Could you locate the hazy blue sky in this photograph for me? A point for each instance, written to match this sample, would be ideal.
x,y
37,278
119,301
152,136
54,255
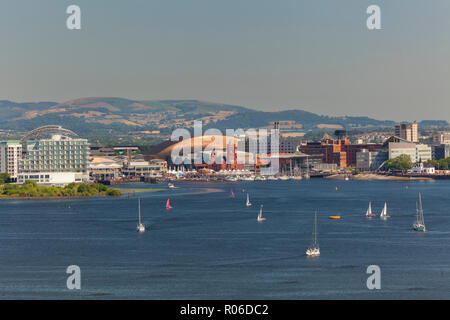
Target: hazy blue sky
x,y
314,55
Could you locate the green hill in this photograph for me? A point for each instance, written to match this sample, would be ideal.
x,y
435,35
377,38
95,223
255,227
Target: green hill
x,y
107,115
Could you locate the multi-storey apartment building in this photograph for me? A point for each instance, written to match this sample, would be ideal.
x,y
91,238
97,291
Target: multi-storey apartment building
x,y
407,131
10,155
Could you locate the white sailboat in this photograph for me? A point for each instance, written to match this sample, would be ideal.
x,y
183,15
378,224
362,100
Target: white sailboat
x,y
307,175
383,213
260,217
369,213
419,224
248,203
314,249
140,226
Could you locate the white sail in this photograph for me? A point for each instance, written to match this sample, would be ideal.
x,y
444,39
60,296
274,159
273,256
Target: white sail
x,y
139,211
248,203
314,250
315,244
260,217
421,210
140,226
384,211
419,225
369,210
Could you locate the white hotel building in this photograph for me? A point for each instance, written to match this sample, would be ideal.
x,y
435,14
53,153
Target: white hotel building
x,y
57,160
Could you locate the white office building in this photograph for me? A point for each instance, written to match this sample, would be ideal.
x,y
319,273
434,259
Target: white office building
x,y
10,155
416,152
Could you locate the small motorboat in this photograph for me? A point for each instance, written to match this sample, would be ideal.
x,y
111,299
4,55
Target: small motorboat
x,y
334,217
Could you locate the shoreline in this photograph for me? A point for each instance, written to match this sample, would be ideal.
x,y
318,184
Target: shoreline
x,y
55,197
378,177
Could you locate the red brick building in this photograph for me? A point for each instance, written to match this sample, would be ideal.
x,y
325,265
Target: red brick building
x,y
340,152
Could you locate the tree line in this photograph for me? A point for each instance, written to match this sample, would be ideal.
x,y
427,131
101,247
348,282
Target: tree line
x,y
31,189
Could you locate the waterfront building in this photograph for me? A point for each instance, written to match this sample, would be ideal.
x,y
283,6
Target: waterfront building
x,y
155,168
104,168
58,158
339,152
296,163
407,131
416,152
331,151
10,155
370,160
421,168
53,178
57,154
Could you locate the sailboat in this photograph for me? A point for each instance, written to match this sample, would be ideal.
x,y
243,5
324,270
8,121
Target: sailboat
x,y
383,213
419,224
369,213
140,226
168,206
248,203
231,193
307,175
260,217
314,250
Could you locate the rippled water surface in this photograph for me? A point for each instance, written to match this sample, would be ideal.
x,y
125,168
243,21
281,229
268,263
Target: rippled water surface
x,y
210,246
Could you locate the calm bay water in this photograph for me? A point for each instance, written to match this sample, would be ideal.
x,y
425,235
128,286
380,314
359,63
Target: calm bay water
x,y
210,246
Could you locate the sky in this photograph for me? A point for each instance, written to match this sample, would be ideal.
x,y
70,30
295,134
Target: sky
x,y
269,55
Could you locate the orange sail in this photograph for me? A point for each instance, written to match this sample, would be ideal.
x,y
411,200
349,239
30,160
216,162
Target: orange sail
x,y
168,206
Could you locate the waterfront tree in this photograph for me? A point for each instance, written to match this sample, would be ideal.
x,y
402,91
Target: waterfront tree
x,y
402,163
4,178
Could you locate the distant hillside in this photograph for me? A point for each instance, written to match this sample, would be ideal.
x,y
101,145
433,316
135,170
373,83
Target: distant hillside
x,y
91,116
429,124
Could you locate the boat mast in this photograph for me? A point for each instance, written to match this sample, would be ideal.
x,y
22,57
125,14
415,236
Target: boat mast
x,y
421,209
139,209
315,230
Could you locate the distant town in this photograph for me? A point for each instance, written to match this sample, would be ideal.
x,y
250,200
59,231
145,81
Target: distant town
x,y
53,155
